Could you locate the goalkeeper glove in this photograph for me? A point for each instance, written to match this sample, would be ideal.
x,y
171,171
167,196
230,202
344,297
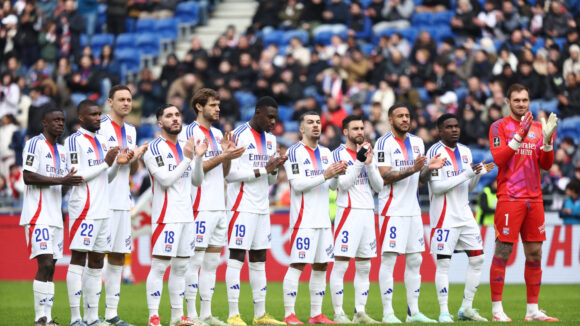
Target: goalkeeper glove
x,y
522,132
548,129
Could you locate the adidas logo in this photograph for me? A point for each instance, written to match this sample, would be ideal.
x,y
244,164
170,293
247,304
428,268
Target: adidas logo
x,y
264,288
193,285
251,146
397,151
307,161
112,139
51,299
321,293
292,294
365,293
79,292
499,279
182,294
48,155
90,150
156,294
417,291
117,294
235,287
444,290
212,289
340,292
169,155
389,291
43,300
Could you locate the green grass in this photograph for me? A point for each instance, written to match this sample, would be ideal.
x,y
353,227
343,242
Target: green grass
x,y
558,300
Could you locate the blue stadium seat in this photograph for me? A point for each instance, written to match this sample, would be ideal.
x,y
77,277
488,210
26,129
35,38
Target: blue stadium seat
x,y
148,44
128,59
285,113
127,41
410,34
423,94
442,31
367,48
291,126
273,37
422,19
246,99
187,12
443,17
323,33
301,34
100,40
130,25
167,28
560,41
146,26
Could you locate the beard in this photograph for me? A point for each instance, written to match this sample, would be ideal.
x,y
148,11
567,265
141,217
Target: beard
x,y
399,129
357,140
171,131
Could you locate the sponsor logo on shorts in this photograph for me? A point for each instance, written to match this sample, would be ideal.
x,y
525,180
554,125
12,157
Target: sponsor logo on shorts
x,y
128,242
373,244
43,246
239,241
542,229
87,241
199,238
329,250
344,248
440,246
392,243
506,231
168,247
301,254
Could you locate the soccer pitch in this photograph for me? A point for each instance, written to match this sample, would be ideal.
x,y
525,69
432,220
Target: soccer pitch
x,y
558,300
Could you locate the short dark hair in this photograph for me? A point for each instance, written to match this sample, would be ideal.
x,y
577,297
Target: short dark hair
x,y
266,101
516,88
350,118
444,118
396,106
161,110
574,185
117,88
202,96
303,115
85,104
49,110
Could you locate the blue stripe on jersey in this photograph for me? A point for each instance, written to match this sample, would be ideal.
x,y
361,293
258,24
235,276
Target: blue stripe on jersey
x,y
189,130
292,152
105,118
408,146
433,150
56,158
99,148
458,158
238,131
214,145
72,141
31,145
179,152
336,153
124,136
318,160
383,140
153,146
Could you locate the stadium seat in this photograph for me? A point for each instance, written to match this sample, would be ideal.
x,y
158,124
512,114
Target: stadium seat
x,y
367,48
167,28
246,99
560,41
148,44
128,59
285,113
422,19
145,26
100,40
127,41
442,32
410,34
187,12
301,34
273,37
443,17
291,126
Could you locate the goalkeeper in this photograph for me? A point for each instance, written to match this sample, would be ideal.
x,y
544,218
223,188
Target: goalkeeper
x,y
520,148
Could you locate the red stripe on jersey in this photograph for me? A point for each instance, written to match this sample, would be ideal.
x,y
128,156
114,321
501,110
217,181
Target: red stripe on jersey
x,y
98,151
81,218
163,209
383,232
441,217
298,221
403,147
345,214
453,160
208,137
352,153
258,140
384,212
197,199
118,133
239,198
33,222
312,157
231,225
156,234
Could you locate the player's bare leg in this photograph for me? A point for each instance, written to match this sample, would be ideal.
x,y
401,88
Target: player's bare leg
x,y
502,253
113,276
207,278
43,289
533,277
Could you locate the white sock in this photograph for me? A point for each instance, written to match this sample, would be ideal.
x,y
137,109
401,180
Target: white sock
x,y
192,283
361,284
442,283
233,283
413,281
74,287
496,307
317,291
49,300
113,274
259,287
290,288
388,261
39,291
207,282
92,284
337,284
154,285
472,279
531,308
176,285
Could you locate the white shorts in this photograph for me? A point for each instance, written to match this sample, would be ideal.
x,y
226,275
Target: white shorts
x,y
210,228
173,239
445,241
402,234
355,233
44,240
249,231
90,235
120,222
312,246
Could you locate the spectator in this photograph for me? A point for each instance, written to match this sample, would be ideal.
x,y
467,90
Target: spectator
x,y
229,106
61,75
28,30
304,105
9,95
158,9
570,99
505,56
5,193
558,20
290,14
487,203
300,53
570,213
151,91
571,39
407,94
245,75
442,80
477,90
311,16
264,80
496,100
472,129
48,42
555,182
572,64
357,67
396,66
374,10
7,155
71,26
529,78
421,69
463,62
89,10
195,51
433,6
379,118
487,19
83,82
16,182
335,12
116,15
463,23
508,19
333,115
537,19
169,72
359,25
424,41
39,103
37,73
482,67
267,14
396,15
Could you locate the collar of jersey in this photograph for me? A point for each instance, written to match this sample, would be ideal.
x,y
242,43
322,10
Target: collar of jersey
x,y
86,132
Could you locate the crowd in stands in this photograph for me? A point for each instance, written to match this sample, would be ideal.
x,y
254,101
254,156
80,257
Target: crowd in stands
x,y
332,56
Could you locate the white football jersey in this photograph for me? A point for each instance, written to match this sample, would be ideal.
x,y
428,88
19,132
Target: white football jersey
x,y
125,137
401,197
246,193
42,204
86,152
450,209
354,187
308,208
170,203
210,196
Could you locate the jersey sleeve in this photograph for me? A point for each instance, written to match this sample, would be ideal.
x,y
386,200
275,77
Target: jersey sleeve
x,y
382,154
299,181
31,156
293,168
499,147
77,159
436,175
159,169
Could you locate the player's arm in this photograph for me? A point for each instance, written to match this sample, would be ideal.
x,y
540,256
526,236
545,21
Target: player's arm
x,y
198,171
160,170
76,157
139,151
502,150
347,180
390,177
442,185
32,178
303,183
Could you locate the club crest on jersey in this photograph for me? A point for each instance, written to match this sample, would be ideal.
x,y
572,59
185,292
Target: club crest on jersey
x,y
87,241
506,231
440,246
239,241
269,145
416,149
307,161
62,157
302,254
48,155
159,160
496,142
344,248
397,151
129,139
464,158
74,158
29,160
392,243
325,160
251,146
43,246
90,150
381,157
531,135
168,247
295,169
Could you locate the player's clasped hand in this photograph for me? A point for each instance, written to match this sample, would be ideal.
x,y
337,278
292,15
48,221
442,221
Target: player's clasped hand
x,y
200,147
111,155
188,148
71,179
335,169
275,161
436,162
231,152
524,126
125,156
